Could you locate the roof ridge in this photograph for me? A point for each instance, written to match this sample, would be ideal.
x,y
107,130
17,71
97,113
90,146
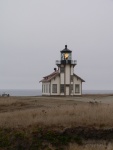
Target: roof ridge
x,y
57,71
50,77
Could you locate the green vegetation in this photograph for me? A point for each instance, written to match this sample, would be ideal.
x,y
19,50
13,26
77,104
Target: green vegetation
x,y
33,139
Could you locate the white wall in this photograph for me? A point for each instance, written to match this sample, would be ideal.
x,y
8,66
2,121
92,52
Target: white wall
x,y
67,74
61,78
72,70
77,81
56,80
46,91
67,90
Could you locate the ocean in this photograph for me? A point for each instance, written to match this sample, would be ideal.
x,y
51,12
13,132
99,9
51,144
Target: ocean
x,y
21,92
38,92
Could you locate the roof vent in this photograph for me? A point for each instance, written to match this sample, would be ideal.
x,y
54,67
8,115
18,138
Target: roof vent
x,y
65,46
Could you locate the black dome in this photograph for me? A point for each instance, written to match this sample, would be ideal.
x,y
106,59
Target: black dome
x,y
66,50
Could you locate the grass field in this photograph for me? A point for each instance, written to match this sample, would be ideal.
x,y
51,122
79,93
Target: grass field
x,y
58,114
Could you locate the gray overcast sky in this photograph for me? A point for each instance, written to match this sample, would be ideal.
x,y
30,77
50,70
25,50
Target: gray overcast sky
x,y
32,33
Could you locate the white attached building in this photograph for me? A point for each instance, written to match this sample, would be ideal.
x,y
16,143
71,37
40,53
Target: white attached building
x,y
63,81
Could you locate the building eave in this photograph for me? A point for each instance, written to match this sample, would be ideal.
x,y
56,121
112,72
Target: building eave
x,y
50,77
79,77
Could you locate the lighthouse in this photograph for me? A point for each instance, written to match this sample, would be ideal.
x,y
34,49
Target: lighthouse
x,y
63,81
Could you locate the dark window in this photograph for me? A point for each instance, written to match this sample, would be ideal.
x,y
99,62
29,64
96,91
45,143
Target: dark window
x,y
49,88
62,69
61,88
54,88
71,88
42,88
71,78
77,88
46,88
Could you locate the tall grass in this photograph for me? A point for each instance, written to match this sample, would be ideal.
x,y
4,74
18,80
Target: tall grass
x,y
101,146
96,115
7,101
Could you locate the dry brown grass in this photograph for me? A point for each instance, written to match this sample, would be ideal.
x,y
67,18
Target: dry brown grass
x,y
7,101
99,146
94,146
58,113
54,113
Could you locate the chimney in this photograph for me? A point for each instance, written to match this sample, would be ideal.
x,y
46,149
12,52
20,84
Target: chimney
x,y
55,69
65,46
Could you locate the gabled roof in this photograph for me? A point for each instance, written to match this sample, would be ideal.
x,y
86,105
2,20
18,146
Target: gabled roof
x,y
50,76
78,77
54,74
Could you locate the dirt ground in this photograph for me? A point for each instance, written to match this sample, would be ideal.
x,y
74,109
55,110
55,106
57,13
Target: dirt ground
x,y
8,104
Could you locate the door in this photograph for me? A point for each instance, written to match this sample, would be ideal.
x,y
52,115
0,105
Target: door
x,y
67,90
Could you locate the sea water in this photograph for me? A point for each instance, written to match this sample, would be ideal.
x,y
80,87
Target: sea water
x,y
21,92
38,92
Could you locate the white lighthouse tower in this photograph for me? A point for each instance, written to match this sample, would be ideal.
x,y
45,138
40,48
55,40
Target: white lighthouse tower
x,y
63,81
66,68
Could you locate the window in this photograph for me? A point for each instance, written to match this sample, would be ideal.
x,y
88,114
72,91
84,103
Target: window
x,y
71,88
42,88
62,69
46,88
61,88
49,88
71,78
54,88
77,88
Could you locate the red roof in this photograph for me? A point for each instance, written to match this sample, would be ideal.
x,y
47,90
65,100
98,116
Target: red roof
x,y
54,74
50,76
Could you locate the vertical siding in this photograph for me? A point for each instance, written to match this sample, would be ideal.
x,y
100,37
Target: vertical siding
x,y
64,78
72,70
61,78
77,81
56,80
45,86
67,74
67,90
